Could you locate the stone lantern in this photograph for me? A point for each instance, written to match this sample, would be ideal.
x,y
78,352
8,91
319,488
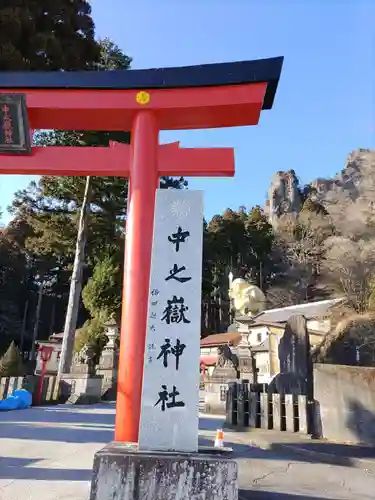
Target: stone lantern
x,y
112,332
108,365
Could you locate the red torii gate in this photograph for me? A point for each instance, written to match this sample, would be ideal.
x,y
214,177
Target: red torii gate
x,y
143,101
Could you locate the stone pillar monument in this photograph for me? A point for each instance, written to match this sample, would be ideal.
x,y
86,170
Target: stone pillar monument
x,y
167,462
274,356
295,375
83,385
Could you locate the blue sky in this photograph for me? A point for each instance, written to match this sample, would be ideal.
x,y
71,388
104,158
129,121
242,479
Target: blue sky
x,y
324,106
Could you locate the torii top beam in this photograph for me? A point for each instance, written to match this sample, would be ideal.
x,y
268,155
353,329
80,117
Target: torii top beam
x,y
206,96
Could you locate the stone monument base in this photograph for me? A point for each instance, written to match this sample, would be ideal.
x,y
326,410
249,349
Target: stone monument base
x,y
81,388
121,472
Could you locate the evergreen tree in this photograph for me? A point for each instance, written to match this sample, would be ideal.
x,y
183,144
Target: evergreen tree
x,y
111,58
11,362
240,242
50,35
12,285
102,294
47,35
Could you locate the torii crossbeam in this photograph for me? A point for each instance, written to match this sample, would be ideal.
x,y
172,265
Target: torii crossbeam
x,y
145,102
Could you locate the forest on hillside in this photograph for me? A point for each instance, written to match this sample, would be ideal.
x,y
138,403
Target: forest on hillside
x,y
327,250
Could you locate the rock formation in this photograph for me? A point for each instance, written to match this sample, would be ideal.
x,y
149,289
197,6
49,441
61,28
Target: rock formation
x,y
359,166
283,196
357,177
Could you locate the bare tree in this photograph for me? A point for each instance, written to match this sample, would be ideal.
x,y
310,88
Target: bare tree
x,y
350,342
75,286
299,252
350,267
351,200
338,203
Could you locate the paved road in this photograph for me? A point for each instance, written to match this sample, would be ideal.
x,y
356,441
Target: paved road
x,y
286,478
47,453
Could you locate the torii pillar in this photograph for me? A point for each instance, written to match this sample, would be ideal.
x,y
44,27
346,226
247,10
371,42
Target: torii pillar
x,y
145,102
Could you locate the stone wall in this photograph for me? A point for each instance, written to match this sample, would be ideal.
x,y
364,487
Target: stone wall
x,y
345,403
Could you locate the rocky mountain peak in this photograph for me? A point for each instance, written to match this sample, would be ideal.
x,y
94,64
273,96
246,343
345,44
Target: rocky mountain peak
x,y
284,196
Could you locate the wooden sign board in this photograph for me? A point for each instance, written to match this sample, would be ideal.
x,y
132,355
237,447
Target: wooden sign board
x,y
170,396
14,125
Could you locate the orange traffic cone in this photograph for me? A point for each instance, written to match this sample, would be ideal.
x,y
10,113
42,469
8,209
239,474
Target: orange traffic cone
x,y
219,441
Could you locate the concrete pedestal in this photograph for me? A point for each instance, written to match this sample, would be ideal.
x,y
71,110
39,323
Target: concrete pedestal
x,y
121,472
108,368
81,388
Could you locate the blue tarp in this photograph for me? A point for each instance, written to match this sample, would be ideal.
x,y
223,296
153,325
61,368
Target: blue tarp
x,y
19,400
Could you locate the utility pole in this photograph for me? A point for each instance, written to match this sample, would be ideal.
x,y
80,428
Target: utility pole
x,y
261,275
75,286
24,321
52,321
37,317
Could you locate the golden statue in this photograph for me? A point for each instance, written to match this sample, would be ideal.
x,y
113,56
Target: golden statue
x,y
247,298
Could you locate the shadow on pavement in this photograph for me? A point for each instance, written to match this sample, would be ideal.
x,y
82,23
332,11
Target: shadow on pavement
x,y
239,450
309,452
23,468
70,424
211,424
313,452
39,432
63,414
272,495
329,453
17,462
247,452
95,424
